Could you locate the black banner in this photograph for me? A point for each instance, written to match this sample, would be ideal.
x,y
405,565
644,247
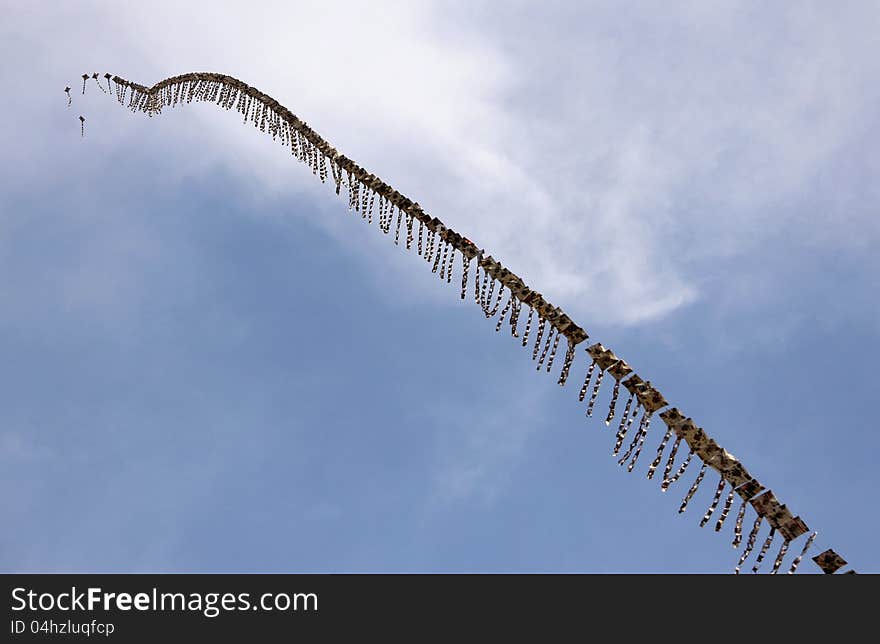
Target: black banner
x,y
126,608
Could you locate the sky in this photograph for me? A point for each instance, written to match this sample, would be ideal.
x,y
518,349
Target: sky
x,y
210,365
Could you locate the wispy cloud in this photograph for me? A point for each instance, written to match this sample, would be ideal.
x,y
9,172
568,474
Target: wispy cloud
x,y
611,165
480,451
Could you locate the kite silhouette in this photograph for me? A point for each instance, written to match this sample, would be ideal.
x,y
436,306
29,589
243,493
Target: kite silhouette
x,y
545,325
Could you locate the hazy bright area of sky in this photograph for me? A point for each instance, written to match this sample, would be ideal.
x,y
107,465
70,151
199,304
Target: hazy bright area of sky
x,y
209,364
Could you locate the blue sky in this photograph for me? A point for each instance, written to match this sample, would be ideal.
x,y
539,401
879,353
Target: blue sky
x,y
211,365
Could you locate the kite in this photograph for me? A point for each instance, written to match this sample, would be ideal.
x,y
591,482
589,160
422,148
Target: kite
x,y
442,248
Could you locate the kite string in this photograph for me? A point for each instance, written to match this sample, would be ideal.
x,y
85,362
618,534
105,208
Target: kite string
x,y
310,148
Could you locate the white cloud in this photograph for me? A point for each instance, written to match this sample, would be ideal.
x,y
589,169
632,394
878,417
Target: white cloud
x,y
609,159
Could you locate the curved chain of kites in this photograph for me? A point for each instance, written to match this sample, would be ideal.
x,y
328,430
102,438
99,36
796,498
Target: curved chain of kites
x,y
491,284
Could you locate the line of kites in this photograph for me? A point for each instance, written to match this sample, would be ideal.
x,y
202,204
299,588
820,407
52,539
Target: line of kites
x,y
437,244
